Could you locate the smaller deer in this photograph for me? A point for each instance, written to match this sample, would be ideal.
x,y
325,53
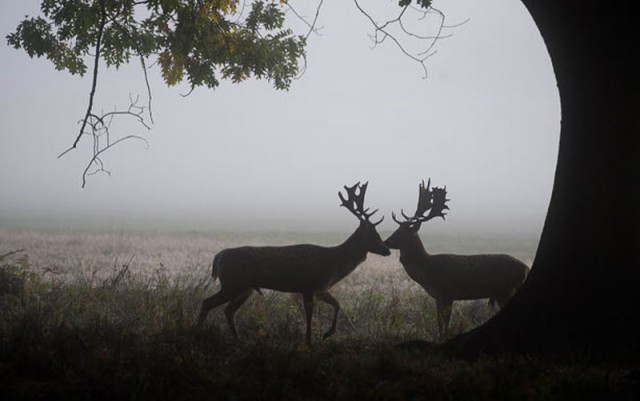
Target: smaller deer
x,y
310,270
448,277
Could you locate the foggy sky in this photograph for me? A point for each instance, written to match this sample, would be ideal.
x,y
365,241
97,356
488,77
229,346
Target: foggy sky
x,y
485,123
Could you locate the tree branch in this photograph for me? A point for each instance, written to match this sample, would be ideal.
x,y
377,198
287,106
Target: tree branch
x,y
312,29
382,32
96,157
146,81
311,25
101,128
96,63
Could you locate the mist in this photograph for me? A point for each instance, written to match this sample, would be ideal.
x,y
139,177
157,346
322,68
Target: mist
x,y
485,122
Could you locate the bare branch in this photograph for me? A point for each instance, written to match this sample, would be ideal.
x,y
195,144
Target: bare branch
x,y
312,29
188,93
134,111
96,62
146,81
383,31
100,126
96,157
312,24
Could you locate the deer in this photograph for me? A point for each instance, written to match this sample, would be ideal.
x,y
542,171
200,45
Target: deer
x,y
449,277
306,269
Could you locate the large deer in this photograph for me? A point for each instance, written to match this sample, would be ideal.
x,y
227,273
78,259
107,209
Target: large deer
x,y
310,270
446,277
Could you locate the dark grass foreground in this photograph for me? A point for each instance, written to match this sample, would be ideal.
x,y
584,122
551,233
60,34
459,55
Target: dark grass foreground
x,y
131,338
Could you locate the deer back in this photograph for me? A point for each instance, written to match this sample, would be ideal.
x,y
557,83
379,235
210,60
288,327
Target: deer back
x,y
302,268
294,268
465,277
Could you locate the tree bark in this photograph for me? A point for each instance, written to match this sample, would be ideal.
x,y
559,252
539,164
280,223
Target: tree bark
x,y
581,294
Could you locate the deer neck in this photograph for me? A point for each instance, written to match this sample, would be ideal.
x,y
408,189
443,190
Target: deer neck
x,y
413,251
353,250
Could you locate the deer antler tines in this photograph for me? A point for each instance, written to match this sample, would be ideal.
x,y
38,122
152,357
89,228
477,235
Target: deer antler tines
x,y
355,201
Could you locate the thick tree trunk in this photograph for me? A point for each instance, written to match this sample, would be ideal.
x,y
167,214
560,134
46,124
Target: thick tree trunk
x,y
582,291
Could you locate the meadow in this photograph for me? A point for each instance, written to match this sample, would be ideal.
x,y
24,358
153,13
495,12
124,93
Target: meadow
x,y
96,314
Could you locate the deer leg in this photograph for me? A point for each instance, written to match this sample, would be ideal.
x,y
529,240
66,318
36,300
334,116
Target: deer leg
x,y
328,298
444,314
216,299
232,308
307,299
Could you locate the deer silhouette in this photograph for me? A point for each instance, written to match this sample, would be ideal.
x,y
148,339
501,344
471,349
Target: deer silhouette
x,y
310,270
448,277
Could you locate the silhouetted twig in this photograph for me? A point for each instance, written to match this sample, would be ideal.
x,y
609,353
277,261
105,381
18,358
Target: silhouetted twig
x,y
382,32
312,29
101,133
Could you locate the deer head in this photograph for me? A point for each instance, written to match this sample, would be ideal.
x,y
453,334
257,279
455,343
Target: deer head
x,y
366,233
432,200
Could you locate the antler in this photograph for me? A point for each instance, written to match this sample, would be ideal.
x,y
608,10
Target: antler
x,y
355,202
439,203
432,200
425,198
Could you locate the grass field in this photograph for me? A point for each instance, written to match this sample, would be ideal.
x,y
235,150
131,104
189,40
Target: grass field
x,y
109,314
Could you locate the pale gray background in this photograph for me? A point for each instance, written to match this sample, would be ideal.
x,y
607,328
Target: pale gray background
x,y
485,123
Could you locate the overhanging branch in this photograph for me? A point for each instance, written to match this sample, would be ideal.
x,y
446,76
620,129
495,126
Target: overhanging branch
x,y
382,32
311,25
101,134
99,126
97,160
96,63
312,29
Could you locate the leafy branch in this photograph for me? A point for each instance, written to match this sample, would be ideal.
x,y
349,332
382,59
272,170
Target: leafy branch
x,y
200,41
94,81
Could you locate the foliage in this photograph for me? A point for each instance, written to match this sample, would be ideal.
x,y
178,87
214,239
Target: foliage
x,y
201,41
129,336
422,3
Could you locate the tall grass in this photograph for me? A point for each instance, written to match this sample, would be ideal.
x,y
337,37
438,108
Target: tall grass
x,y
114,329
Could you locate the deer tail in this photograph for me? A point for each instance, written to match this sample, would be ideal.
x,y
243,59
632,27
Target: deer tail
x,y
215,268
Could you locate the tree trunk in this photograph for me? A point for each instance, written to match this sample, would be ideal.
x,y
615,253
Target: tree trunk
x,y
581,292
